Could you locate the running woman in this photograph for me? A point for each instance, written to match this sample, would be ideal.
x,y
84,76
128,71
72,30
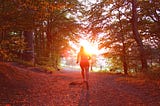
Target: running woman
x,y
83,58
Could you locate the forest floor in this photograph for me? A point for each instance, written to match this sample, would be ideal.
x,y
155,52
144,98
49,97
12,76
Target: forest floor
x,y
29,86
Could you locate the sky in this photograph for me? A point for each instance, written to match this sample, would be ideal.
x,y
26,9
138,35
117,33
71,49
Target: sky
x,y
89,2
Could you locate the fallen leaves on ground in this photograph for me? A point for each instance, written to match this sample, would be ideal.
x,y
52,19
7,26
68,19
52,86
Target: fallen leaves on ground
x,y
26,87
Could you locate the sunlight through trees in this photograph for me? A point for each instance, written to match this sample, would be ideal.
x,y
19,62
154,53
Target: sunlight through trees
x,y
125,33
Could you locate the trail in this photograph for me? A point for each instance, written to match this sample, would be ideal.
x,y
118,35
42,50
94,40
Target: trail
x,y
64,88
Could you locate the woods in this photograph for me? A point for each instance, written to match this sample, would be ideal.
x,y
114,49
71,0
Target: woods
x,y
40,41
39,31
127,30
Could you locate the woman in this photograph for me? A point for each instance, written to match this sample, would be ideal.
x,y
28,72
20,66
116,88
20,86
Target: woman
x,y
83,59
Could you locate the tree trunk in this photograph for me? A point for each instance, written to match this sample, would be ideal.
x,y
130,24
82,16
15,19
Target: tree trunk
x,y
43,43
124,60
125,66
2,37
49,40
28,55
137,36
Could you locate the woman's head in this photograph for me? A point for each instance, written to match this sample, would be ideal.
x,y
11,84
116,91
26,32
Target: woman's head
x,y
82,49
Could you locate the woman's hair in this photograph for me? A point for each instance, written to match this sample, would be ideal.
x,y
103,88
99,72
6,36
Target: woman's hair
x,y
82,49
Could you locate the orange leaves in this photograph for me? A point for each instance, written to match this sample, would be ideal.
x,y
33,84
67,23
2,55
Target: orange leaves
x,y
131,80
11,46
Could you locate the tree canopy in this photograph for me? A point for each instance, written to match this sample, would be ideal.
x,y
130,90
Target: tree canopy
x,y
128,30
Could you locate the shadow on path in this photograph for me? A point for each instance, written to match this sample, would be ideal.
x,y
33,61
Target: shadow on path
x,y
84,95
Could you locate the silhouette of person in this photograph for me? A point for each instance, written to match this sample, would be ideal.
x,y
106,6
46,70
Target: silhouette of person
x,y
83,58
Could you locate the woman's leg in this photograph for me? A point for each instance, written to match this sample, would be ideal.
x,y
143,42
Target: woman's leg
x,y
82,72
87,73
87,76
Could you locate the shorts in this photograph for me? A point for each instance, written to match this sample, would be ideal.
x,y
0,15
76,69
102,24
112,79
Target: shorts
x,y
84,64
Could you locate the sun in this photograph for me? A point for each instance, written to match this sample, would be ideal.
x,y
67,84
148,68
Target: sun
x,y
90,48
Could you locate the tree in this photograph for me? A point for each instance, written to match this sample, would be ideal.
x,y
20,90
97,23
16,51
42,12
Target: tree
x,y
108,17
149,19
43,23
137,36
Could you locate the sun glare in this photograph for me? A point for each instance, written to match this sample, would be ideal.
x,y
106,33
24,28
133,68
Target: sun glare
x,y
89,47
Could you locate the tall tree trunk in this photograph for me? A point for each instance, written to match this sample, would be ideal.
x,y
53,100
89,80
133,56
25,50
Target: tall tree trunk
x,y
49,40
43,43
125,66
124,60
28,55
2,37
137,36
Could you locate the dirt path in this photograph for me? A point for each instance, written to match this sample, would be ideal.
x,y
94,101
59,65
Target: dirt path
x,y
66,89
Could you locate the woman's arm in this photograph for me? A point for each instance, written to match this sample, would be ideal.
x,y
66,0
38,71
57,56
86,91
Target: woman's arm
x,y
89,57
78,57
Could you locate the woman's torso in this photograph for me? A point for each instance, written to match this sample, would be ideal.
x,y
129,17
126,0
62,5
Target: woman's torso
x,y
84,58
